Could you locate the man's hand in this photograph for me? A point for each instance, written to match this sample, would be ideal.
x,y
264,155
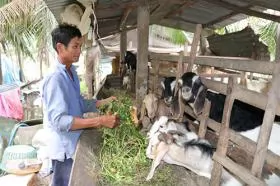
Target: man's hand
x,y
112,98
105,101
110,121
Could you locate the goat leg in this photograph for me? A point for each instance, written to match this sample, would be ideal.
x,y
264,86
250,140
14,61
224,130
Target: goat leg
x,y
161,151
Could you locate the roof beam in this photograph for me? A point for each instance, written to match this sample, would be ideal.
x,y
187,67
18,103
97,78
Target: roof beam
x,y
263,4
160,11
220,19
245,10
113,7
187,4
124,18
184,20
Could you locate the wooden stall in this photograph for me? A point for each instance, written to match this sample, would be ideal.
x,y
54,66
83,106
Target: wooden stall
x,y
166,65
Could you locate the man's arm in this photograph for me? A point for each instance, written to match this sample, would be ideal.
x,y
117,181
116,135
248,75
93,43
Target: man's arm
x,y
109,121
91,105
105,101
57,110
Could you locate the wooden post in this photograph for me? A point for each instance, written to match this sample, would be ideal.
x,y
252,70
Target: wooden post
x,y
277,55
179,70
195,42
156,76
266,127
272,104
203,121
223,136
143,19
178,75
123,45
86,169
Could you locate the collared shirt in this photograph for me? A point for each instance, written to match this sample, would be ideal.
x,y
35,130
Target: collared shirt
x,y
62,102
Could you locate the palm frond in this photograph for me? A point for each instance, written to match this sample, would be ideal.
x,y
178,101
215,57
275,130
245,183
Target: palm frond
x,y
25,24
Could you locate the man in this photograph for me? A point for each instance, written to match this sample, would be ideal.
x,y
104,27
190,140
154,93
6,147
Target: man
x,y
64,106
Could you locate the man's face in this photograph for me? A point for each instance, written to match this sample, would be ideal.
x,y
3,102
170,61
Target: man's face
x,y
71,53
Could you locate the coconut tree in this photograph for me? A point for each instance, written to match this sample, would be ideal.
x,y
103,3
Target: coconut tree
x,y
25,25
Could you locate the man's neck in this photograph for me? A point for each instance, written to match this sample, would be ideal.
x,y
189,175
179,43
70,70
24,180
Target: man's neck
x,y
68,65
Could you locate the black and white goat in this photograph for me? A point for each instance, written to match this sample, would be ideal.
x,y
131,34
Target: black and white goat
x,y
130,60
243,116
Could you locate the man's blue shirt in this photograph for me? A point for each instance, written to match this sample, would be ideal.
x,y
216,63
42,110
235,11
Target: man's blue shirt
x,y
62,102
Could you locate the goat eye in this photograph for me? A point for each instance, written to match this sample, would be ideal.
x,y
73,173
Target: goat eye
x,y
161,126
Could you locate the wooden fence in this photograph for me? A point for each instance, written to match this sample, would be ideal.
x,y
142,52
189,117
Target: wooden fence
x,y
166,65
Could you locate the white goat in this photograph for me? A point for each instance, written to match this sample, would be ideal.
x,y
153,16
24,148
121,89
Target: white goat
x,y
170,142
163,125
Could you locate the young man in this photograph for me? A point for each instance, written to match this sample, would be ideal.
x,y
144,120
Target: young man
x,y
64,106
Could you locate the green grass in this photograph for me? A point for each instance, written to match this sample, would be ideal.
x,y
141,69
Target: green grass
x,y
123,160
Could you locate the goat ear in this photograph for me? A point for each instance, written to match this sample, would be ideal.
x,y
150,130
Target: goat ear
x,y
196,79
162,84
180,82
200,100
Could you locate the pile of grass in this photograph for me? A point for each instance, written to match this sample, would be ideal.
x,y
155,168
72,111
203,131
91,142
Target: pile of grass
x,y
122,157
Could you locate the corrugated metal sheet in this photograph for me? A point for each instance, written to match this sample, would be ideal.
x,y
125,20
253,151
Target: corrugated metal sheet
x,y
210,13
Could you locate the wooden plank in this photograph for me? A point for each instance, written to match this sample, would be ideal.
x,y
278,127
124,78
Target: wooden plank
x,y
245,143
223,135
241,93
203,121
185,5
238,170
124,18
179,70
235,63
86,170
143,20
266,127
19,180
155,78
161,11
194,47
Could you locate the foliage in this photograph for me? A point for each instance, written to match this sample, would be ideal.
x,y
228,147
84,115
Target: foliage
x,y
266,30
25,24
122,156
170,34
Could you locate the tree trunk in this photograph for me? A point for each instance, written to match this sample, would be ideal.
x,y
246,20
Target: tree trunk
x,y
1,72
21,74
277,54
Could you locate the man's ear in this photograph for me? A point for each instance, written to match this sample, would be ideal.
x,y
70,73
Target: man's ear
x,y
60,47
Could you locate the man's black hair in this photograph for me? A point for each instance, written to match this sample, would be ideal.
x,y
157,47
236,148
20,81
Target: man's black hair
x,y
64,33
